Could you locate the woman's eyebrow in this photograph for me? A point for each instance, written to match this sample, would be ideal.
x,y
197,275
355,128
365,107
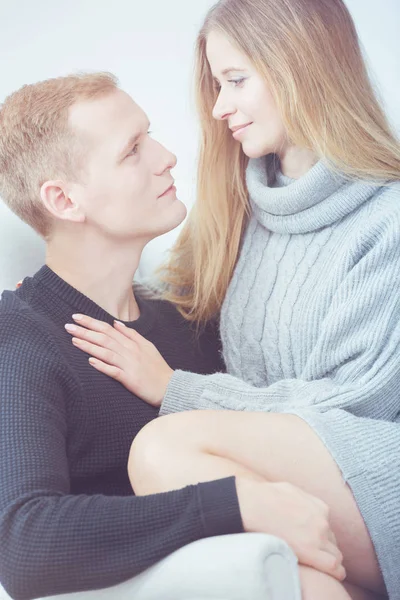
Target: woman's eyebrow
x,y
230,69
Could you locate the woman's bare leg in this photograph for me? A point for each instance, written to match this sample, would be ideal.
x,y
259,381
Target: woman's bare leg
x,y
185,448
319,586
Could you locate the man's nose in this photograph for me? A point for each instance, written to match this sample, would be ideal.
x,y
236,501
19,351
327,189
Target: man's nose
x,y
166,160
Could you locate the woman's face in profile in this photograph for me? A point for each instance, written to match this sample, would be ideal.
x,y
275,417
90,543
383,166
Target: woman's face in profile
x,y
244,100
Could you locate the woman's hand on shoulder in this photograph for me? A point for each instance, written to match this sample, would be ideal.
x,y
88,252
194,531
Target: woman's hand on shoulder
x,y
123,354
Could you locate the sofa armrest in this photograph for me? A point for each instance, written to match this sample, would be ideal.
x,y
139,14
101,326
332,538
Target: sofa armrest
x,y
246,566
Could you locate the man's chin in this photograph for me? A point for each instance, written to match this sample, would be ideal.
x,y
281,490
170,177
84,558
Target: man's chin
x,y
178,214
173,217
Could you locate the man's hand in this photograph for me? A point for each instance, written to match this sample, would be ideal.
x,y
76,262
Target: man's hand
x,y
283,510
123,354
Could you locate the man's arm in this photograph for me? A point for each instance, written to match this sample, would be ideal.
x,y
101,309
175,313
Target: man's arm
x,y
52,541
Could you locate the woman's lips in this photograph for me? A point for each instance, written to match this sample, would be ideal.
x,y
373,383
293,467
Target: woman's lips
x,y
237,131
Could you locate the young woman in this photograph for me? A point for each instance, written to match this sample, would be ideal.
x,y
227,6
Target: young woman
x,y
295,242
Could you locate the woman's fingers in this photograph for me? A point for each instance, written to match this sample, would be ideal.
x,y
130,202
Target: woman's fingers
x,y
327,558
104,354
113,340
326,555
332,538
110,370
123,354
93,324
101,333
334,551
131,334
327,563
92,337
97,332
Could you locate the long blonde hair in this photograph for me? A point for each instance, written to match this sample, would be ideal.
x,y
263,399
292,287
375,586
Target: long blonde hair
x,y
309,54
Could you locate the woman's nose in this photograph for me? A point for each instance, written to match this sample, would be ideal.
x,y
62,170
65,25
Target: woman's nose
x,y
222,108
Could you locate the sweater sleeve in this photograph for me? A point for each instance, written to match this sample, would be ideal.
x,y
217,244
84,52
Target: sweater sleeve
x,y
354,363
55,542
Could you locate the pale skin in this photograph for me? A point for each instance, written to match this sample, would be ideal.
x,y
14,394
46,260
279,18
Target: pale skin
x,y
259,448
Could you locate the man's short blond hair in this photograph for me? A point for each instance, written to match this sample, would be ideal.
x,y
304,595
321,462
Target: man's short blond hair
x,y
36,144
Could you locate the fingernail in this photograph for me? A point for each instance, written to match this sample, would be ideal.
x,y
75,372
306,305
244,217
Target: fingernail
x,y
92,361
77,317
70,327
119,323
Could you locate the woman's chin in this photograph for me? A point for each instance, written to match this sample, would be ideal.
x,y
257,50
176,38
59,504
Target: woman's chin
x,y
255,151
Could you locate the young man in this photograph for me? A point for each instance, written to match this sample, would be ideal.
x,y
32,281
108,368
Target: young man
x,y
77,163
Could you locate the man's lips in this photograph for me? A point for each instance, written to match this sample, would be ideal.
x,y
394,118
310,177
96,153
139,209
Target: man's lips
x,y
169,189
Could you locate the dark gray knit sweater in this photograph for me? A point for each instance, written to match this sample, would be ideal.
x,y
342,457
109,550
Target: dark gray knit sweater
x,y
68,518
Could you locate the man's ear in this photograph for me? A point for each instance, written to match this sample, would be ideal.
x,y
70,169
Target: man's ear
x,y
57,200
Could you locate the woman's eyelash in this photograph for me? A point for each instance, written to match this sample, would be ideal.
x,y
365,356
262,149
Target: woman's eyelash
x,y
237,81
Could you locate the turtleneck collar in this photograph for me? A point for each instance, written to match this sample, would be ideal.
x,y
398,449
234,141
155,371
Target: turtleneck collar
x,y
318,199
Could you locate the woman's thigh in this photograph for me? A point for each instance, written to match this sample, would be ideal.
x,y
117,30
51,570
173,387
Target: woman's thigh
x,y
319,586
278,447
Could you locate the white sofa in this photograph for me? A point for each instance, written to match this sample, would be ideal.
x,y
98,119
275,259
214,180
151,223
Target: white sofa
x,y
234,567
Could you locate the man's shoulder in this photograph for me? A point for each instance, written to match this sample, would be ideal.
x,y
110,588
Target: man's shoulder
x,y
29,348
14,306
20,321
19,300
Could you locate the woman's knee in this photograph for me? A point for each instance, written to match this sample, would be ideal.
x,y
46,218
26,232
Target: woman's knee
x,y
146,457
155,450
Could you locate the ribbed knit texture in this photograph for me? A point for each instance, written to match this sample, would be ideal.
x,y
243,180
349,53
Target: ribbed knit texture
x,y
311,326
68,518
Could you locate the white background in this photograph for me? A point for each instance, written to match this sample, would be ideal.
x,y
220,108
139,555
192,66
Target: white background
x,y
148,44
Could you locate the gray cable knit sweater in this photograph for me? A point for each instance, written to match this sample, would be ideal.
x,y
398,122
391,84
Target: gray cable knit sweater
x,y
311,326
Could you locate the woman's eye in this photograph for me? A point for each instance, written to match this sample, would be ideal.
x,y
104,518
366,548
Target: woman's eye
x,y
237,82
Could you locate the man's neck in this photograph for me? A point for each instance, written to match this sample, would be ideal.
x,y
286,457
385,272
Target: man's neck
x,y
101,271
